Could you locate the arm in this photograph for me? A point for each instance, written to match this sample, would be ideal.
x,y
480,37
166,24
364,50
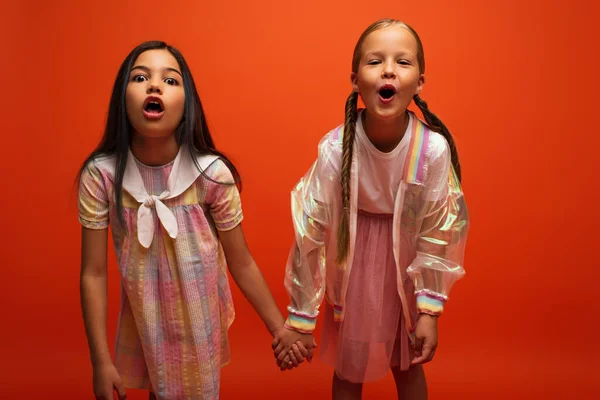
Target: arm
x,y
441,242
251,282
440,249
93,215
249,278
93,285
306,266
225,208
225,204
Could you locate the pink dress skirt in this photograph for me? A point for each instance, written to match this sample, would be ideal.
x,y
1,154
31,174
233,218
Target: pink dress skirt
x,y
372,337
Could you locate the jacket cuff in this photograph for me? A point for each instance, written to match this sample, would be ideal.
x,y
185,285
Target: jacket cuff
x,y
301,322
430,302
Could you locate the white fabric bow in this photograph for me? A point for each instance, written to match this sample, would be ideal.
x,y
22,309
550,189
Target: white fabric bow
x,y
145,222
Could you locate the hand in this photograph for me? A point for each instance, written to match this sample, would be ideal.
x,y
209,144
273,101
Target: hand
x,y
106,381
426,339
291,347
296,356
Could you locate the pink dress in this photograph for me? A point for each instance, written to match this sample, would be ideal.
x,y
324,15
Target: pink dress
x,y
176,304
372,338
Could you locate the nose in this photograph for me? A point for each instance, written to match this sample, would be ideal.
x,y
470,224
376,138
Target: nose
x,y
388,71
153,87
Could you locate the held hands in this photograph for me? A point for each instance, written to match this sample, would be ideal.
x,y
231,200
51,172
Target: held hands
x,y
426,339
290,348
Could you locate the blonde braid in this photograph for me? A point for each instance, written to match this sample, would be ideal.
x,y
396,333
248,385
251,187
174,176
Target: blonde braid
x,y
347,150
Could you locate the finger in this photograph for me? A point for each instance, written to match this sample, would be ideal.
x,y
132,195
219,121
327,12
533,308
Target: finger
x,y
275,342
284,360
301,346
427,352
281,365
432,355
310,354
287,362
417,349
293,358
297,355
418,344
418,360
283,354
120,388
314,343
299,351
418,357
106,396
425,356
278,350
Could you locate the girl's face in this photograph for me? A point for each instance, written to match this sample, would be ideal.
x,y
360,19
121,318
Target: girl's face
x,y
388,73
155,97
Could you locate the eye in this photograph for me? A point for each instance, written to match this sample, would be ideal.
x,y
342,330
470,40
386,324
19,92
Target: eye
x,y
373,62
171,81
403,62
139,78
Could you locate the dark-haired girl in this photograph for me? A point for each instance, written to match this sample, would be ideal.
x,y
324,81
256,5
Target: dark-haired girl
x,y
173,205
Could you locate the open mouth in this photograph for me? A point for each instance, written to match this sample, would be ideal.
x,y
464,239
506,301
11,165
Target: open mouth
x,y
387,92
153,107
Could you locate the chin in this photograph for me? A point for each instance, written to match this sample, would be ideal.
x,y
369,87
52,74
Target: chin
x,y
386,113
154,132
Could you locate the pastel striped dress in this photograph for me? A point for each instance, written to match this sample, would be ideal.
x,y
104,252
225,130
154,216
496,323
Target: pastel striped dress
x,y
176,304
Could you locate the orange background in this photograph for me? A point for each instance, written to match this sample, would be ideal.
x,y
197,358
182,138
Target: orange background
x,y
515,81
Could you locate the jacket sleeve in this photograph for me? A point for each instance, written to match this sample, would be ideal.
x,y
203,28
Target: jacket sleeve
x,y
305,275
442,237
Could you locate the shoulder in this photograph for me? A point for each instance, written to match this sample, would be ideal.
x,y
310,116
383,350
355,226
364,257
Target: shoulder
x,y
332,141
434,146
99,167
215,169
330,147
437,165
437,146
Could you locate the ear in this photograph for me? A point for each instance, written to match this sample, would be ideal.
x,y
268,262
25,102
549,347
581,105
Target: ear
x,y
420,84
354,80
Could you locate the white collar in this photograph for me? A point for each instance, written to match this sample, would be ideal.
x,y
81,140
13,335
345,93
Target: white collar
x,y
183,175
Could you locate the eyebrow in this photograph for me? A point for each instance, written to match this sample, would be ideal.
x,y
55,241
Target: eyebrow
x,y
143,67
379,53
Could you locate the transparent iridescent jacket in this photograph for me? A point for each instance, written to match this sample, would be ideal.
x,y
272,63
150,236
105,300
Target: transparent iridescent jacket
x,y
432,211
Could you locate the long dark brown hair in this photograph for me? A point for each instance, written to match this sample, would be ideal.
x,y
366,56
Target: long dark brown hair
x,y
192,132
351,113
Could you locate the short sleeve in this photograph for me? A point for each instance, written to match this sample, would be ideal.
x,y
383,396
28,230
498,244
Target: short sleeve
x,y
93,199
223,197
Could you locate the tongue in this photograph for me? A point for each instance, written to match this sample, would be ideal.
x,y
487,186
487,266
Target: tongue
x,y
153,109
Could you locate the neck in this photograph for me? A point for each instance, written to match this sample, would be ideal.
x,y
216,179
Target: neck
x,y
154,151
385,134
